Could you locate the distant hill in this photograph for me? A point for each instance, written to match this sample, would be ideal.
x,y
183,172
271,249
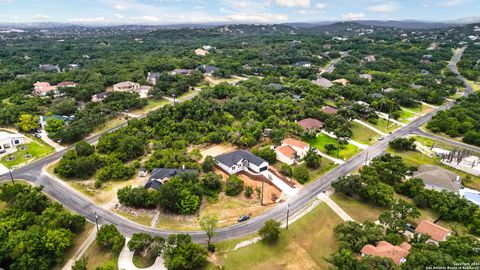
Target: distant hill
x,y
408,24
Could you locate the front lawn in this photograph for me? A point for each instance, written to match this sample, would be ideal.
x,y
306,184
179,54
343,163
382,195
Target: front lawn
x,y
357,209
405,116
33,151
321,140
382,125
304,246
363,135
100,257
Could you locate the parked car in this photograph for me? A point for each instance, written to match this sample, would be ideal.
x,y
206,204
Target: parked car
x,y
243,218
409,227
37,135
380,138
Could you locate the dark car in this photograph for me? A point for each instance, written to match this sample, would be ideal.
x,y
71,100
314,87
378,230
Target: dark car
x,y
409,227
243,218
38,135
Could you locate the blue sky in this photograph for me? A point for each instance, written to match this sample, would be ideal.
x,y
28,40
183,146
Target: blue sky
x,y
230,11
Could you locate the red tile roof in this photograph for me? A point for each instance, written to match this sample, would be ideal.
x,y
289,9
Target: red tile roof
x,y
287,151
310,123
385,249
329,110
436,232
295,142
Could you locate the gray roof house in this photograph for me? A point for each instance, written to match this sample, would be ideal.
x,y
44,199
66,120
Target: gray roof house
x,y
239,160
325,83
438,178
207,69
161,175
49,68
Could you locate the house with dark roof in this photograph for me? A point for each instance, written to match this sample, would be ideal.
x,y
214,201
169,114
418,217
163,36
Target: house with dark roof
x,y
240,160
161,175
153,77
206,69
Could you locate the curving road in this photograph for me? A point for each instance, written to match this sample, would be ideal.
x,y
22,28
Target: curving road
x,y
75,201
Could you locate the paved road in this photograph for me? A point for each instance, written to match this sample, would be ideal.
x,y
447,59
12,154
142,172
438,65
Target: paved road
x,y
446,140
298,202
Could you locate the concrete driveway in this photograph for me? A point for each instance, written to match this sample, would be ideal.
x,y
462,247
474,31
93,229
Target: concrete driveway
x,y
125,261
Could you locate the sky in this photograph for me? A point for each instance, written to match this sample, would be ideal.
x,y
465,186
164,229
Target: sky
x,y
231,11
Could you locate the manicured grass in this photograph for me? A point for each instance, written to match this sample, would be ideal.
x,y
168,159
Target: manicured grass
x,y
98,257
357,209
140,218
152,104
420,108
321,140
363,135
35,149
325,166
304,246
382,125
142,262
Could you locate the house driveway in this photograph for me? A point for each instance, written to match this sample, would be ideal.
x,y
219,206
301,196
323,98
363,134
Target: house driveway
x,y
125,260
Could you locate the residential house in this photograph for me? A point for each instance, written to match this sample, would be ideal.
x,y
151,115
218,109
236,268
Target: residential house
x,y
438,178
384,249
208,47
388,90
327,46
436,232
325,83
152,78
67,84
73,66
161,175
99,97
370,58
207,70
302,64
240,160
127,86
49,68
341,81
291,150
310,124
366,77
9,141
201,52
144,91
329,110
275,86
180,72
43,88
64,118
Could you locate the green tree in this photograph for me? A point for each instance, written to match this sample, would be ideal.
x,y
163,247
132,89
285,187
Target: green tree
x,y
208,164
301,174
28,122
109,237
312,159
234,185
181,253
208,224
270,232
54,125
80,264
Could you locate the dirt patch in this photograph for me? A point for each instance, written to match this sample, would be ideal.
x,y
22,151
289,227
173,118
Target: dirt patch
x,y
270,192
216,149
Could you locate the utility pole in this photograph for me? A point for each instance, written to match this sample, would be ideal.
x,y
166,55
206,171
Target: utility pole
x,y
263,181
288,214
388,118
366,159
96,220
173,95
11,176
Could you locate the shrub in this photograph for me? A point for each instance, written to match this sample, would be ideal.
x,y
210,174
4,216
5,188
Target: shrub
x,y
301,174
234,185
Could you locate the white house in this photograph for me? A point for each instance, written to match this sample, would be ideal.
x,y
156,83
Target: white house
x,y
9,141
291,150
240,160
126,87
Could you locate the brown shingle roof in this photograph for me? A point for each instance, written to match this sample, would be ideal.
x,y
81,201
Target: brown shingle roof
x,y
329,110
385,249
436,232
310,123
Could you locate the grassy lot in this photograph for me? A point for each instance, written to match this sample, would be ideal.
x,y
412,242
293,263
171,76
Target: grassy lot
x,y
321,140
420,108
142,262
415,158
36,149
363,134
140,218
382,125
405,116
304,246
152,104
98,257
325,166
475,86
429,143
357,209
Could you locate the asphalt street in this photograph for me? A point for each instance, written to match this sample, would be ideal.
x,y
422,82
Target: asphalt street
x,y
75,201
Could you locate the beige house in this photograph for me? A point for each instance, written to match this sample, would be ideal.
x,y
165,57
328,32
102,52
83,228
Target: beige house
x,y
201,52
127,86
291,150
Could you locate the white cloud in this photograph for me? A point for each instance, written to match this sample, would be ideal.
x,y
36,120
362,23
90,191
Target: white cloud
x,y
301,11
118,15
451,3
120,7
88,20
320,5
353,16
146,18
41,17
293,3
386,7
258,17
242,4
